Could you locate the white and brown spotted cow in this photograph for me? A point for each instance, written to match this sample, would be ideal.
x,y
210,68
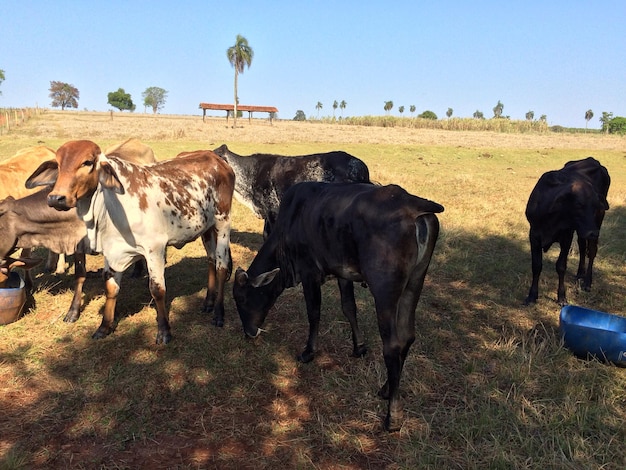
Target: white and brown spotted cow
x,y
133,211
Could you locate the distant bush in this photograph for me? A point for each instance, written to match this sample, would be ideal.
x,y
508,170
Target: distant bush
x,y
428,115
300,116
617,125
557,129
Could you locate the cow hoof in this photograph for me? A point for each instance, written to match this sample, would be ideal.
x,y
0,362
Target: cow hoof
x,y
306,356
101,333
163,337
71,317
393,424
219,322
359,351
530,301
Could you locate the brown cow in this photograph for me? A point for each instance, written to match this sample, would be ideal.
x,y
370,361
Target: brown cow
x,y
135,211
15,170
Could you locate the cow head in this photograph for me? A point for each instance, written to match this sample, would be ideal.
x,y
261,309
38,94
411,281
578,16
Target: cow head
x,y
254,298
75,174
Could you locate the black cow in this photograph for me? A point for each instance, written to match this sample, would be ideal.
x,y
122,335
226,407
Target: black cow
x,y
262,179
572,199
382,236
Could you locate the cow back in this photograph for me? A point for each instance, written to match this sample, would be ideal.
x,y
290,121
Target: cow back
x,y
15,170
336,228
263,179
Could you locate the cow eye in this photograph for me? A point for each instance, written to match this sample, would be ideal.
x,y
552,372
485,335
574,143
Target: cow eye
x,y
88,163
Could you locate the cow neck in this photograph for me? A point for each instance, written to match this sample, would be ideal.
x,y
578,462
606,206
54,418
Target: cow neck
x,y
92,211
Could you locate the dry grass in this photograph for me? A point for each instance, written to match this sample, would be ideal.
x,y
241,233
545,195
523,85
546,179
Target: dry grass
x,y
486,385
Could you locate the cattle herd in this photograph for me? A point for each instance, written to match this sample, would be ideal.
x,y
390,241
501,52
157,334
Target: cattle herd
x,y
323,218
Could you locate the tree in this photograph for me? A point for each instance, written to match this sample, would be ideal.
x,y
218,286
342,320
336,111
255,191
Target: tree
x,y
478,115
342,106
606,120
388,106
239,55
449,113
63,95
121,100
300,116
154,97
530,115
318,106
497,110
617,125
412,108
588,117
335,106
1,78
401,110
428,115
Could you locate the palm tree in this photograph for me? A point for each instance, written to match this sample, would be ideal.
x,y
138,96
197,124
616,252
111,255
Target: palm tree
x,y
412,109
335,106
342,106
239,56
530,115
449,112
318,106
401,110
588,116
497,110
388,106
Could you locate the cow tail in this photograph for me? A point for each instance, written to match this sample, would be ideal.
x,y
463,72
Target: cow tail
x,y
426,234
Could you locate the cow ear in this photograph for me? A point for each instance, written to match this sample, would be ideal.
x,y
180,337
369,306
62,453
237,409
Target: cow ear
x,y
241,277
108,178
45,175
265,278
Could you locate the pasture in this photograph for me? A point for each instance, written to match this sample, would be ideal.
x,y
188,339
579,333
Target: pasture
x,y
487,383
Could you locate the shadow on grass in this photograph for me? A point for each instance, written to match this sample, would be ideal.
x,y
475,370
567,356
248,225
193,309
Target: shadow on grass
x,y
212,399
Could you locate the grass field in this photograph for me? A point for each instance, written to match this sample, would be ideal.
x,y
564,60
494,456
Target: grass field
x,y
487,383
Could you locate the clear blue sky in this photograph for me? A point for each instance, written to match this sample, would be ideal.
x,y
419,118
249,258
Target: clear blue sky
x,y
557,58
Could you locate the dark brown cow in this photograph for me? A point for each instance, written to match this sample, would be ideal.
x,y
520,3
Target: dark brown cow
x,y
135,211
572,199
382,236
29,223
262,179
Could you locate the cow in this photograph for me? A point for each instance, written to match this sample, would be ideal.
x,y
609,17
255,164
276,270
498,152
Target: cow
x,y
13,173
132,150
572,199
135,211
357,232
15,170
262,179
28,223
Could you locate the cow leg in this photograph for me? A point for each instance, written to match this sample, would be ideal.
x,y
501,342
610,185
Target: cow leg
x,y
217,246
398,334
348,305
592,250
313,298
561,266
156,274
28,278
537,265
582,251
112,282
80,273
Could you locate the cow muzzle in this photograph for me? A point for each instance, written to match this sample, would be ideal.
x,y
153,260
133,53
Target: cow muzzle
x,y
251,331
58,202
